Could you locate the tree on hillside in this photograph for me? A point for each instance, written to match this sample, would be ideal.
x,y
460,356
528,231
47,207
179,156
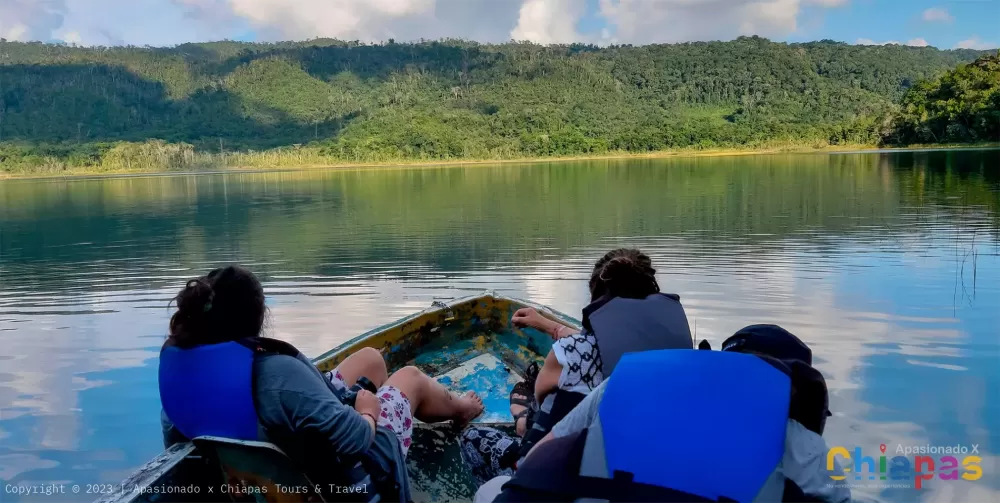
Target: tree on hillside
x,y
962,105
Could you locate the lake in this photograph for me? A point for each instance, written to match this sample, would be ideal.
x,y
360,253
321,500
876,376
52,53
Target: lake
x,y
886,264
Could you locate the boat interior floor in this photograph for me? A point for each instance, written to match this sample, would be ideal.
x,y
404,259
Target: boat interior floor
x,y
481,363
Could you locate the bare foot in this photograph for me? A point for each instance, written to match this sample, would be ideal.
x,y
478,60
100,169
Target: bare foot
x,y
470,406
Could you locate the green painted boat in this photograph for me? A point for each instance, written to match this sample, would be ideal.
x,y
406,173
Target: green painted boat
x,y
466,344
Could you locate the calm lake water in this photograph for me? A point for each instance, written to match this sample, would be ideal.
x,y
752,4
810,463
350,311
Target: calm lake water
x,y
887,264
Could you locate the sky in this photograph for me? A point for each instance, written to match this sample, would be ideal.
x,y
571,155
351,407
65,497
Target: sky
x,y
945,24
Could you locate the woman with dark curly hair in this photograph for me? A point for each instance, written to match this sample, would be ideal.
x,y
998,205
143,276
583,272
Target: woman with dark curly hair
x,y
627,313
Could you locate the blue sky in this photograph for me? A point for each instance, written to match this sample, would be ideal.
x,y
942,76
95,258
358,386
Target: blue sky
x,y
941,23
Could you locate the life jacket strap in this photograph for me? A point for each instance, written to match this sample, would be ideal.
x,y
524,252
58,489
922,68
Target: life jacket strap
x,y
265,345
622,488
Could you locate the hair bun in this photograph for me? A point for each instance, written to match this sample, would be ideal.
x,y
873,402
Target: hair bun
x,y
620,269
196,298
623,272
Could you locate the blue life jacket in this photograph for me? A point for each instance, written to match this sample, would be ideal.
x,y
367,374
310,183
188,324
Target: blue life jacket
x,y
682,425
620,325
208,390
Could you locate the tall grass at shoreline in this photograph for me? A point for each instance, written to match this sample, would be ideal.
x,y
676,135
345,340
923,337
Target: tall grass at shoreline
x,y
158,156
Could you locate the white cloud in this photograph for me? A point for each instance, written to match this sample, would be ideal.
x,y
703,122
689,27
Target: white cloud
x,y
917,42
367,20
938,14
30,19
976,43
14,31
72,37
549,21
350,19
868,41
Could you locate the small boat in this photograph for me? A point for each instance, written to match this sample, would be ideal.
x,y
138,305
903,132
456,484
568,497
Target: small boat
x,y
466,344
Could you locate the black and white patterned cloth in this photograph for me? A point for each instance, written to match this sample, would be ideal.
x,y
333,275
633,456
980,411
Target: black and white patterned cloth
x,y
582,367
489,452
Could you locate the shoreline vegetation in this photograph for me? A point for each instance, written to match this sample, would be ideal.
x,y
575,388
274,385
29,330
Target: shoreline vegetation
x,y
84,111
304,159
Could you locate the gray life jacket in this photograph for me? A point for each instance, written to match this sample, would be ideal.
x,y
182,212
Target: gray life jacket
x,y
620,326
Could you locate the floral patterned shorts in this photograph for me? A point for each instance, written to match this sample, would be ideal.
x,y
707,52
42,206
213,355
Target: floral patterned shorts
x,y
396,414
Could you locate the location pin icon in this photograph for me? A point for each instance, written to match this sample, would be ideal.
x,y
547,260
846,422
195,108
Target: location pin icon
x,y
881,447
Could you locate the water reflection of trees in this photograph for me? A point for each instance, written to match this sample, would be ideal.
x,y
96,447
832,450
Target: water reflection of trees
x,y
326,221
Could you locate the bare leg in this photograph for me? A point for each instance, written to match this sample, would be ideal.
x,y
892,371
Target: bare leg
x,y
431,402
367,362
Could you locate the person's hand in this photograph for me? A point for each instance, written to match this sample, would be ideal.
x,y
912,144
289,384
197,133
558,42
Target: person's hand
x,y
528,317
367,403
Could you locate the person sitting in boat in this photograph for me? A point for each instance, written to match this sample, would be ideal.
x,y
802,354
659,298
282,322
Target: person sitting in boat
x,y
802,464
627,313
219,377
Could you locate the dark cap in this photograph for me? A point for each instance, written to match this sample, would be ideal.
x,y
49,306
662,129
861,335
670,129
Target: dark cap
x,y
770,340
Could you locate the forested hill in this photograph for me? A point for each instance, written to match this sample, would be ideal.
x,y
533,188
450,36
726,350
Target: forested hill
x,y
455,99
961,105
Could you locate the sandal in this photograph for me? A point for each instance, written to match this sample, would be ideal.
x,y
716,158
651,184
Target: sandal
x,y
523,394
